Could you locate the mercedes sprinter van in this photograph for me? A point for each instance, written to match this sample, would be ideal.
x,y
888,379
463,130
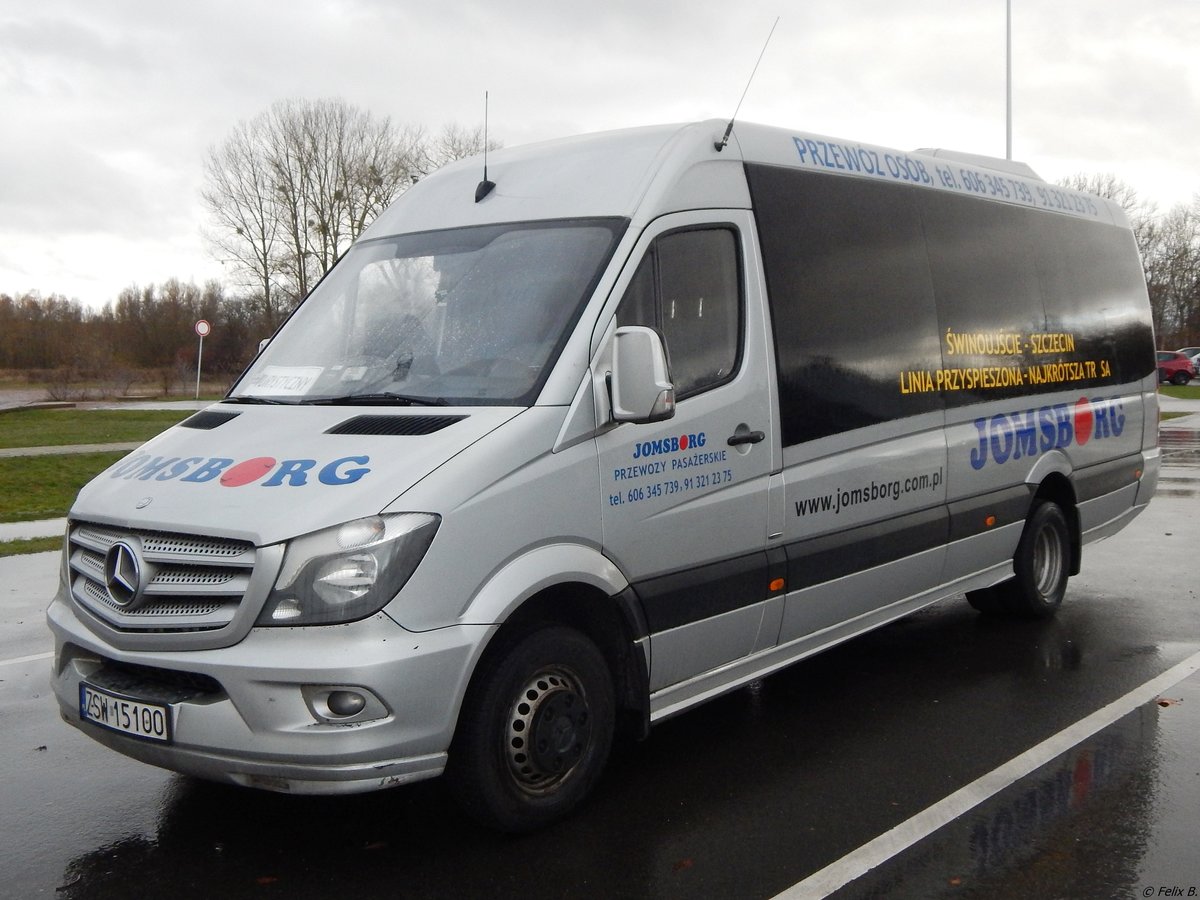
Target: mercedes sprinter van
x,y
641,418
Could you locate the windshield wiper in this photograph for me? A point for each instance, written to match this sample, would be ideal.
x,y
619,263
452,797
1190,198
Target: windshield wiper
x,y
266,400
383,398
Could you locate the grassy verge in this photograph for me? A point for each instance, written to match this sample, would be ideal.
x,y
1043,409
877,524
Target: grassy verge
x,y
30,545
43,487
1188,392
57,427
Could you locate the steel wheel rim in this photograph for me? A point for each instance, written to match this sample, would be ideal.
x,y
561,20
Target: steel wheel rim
x,y
1047,561
548,731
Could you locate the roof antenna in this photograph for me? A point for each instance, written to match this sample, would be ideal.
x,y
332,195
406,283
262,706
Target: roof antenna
x,y
484,187
721,144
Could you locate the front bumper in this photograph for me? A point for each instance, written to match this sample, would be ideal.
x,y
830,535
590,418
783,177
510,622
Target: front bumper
x,y
253,713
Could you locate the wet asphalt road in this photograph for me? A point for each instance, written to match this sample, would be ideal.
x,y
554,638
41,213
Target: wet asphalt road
x,y
743,798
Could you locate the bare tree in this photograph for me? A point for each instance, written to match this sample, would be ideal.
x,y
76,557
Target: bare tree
x,y
1109,186
1172,261
454,142
1170,247
240,196
1143,214
290,190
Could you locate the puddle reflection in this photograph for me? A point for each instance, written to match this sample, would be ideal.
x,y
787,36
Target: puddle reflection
x,y
1077,827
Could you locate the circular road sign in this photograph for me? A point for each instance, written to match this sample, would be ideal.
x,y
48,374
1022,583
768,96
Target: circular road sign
x,y
203,328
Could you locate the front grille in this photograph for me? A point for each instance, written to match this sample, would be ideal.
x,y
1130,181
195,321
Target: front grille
x,y
150,683
186,582
196,609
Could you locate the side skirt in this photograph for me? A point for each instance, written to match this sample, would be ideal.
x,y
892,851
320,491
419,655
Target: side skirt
x,y
677,698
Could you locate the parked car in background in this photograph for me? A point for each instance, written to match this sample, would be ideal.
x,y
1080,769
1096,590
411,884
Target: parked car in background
x,y
1192,353
1175,367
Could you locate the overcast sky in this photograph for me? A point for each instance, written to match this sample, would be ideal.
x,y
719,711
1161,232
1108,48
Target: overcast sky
x,y
107,107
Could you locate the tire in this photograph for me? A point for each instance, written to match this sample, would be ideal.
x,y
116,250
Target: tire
x,y
1041,567
1180,378
535,731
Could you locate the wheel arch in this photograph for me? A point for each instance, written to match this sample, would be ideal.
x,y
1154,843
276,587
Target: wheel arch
x,y
575,586
614,623
1056,487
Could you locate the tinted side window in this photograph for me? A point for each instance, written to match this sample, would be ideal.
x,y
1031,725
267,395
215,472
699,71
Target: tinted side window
x,y
1095,289
889,300
1033,302
688,287
989,297
851,300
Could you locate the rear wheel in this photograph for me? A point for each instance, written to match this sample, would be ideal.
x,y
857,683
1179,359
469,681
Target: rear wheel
x,y
1041,567
535,731
1180,378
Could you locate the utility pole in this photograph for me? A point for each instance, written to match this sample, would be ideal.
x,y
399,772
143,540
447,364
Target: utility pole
x,y
1008,80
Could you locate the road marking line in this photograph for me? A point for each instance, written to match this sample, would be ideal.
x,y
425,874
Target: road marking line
x,y
24,659
858,862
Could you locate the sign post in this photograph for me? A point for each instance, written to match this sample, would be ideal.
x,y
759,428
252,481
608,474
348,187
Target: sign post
x,y
202,328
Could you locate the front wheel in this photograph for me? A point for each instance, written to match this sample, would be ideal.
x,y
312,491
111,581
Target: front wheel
x,y
535,731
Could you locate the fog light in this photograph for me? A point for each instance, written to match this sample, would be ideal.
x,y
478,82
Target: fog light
x,y
343,704
346,703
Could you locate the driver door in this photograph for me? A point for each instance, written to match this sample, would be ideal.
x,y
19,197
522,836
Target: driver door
x,y
685,500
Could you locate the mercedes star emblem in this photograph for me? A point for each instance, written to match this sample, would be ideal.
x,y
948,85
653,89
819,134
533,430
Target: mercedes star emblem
x,y
123,575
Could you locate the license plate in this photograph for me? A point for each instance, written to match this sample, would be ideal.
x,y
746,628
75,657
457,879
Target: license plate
x,y
124,714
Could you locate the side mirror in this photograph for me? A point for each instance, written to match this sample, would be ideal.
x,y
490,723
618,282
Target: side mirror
x,y
262,345
641,382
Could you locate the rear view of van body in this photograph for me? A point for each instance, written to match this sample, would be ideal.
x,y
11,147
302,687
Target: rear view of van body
x,y
649,420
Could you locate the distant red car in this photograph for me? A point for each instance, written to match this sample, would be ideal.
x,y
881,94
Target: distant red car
x,y
1175,367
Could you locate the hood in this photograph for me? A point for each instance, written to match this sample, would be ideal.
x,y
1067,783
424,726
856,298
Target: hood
x,y
269,473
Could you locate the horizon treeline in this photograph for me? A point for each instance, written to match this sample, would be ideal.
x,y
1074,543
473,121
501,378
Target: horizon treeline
x,y
146,331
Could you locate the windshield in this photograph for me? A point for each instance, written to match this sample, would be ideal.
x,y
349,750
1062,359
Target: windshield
x,y
465,316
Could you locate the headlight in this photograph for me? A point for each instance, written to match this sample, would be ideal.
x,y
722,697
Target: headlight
x,y
348,572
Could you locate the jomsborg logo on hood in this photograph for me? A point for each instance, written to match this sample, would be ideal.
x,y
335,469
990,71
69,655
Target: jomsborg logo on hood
x,y
266,471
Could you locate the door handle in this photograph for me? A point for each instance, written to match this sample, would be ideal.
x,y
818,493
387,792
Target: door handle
x,y
745,437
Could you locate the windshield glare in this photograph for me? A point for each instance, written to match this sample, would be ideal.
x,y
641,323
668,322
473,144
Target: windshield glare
x,y
464,316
